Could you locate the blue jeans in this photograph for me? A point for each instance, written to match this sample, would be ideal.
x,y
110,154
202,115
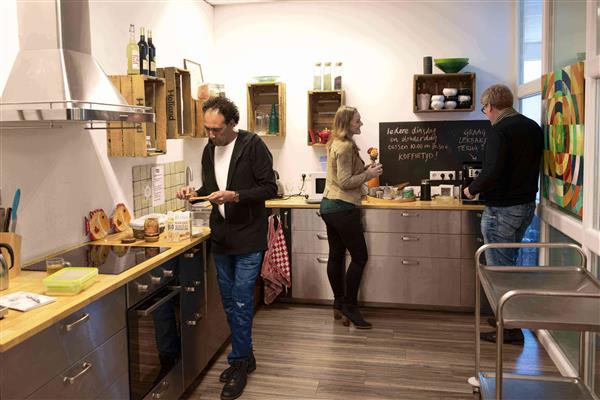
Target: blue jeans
x,y
505,225
237,278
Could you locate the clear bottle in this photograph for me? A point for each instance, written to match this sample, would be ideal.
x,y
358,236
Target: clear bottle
x,y
151,55
317,77
133,53
327,76
143,47
337,76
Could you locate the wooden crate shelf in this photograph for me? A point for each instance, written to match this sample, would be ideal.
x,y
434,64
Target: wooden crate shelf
x,y
261,97
199,131
128,139
322,106
180,108
435,83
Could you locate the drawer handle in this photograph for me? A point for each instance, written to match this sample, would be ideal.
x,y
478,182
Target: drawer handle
x,y
189,255
72,325
285,220
480,240
410,262
410,238
194,322
479,215
321,236
155,279
322,260
318,214
197,283
174,292
71,379
167,273
164,386
189,289
406,214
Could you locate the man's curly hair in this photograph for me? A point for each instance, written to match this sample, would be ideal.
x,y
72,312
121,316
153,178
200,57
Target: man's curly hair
x,y
226,107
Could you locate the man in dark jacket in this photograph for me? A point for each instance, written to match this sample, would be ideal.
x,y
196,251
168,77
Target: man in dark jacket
x,y
237,177
509,181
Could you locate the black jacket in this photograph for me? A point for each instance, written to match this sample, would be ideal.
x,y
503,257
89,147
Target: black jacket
x,y
244,230
511,163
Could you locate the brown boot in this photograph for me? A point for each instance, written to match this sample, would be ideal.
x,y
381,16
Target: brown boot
x,y
352,312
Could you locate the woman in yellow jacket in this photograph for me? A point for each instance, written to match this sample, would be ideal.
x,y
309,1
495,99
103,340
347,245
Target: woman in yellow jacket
x,y
346,174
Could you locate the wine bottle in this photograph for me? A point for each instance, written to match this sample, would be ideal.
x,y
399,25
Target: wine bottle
x,y
151,55
143,47
133,53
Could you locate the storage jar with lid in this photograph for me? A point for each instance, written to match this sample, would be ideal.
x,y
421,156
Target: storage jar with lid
x,y
327,76
337,76
317,84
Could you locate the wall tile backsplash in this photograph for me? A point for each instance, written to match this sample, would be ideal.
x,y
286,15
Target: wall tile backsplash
x,y
174,178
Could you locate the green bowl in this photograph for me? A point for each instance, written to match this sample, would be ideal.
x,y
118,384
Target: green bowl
x,y
451,65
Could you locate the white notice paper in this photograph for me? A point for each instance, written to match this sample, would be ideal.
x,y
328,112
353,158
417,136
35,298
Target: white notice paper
x,y
158,185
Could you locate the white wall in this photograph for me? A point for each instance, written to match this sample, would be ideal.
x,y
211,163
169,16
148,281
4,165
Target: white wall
x,y
65,173
381,45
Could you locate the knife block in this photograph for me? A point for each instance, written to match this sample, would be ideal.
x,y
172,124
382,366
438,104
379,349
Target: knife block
x,y
14,241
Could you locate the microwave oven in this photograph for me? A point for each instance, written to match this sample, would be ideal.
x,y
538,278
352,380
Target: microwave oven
x,y
315,186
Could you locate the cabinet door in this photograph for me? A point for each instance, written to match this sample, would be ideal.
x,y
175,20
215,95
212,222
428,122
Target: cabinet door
x,y
469,245
216,329
28,366
412,221
411,280
90,375
471,222
310,277
307,220
413,245
467,283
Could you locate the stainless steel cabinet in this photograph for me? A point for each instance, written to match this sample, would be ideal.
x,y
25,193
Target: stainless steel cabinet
x,y
421,257
56,352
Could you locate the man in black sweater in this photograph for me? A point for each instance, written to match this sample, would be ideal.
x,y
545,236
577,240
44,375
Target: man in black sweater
x,y
509,181
237,177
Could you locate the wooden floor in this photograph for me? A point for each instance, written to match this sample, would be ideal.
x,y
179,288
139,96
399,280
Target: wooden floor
x,y
303,354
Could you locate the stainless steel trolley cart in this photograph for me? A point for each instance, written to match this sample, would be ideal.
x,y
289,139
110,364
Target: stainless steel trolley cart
x,y
565,298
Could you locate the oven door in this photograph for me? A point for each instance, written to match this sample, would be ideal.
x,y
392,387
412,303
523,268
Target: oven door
x,y
155,344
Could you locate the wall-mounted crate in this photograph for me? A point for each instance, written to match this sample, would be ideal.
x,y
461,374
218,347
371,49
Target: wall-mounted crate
x,y
180,105
199,131
434,84
261,97
139,139
322,106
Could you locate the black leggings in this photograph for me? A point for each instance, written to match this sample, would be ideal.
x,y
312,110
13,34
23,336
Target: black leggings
x,y
345,231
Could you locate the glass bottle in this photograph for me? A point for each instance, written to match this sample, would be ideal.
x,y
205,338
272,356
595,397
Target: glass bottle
x,y
317,77
133,53
327,76
337,76
143,47
274,120
151,55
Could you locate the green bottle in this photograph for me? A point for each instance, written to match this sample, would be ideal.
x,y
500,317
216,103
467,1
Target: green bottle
x,y
274,120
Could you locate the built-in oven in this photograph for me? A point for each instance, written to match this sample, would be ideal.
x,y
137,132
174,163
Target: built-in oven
x,y
154,334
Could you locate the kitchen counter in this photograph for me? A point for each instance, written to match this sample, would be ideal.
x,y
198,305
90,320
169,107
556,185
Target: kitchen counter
x,y
300,202
18,326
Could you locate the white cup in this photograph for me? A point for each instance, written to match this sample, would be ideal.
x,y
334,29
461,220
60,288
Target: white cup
x,y
423,101
437,105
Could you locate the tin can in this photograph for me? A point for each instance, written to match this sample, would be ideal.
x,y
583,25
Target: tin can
x,y
407,193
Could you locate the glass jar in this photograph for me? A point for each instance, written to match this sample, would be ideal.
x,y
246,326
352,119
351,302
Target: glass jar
x,y
317,77
327,76
337,76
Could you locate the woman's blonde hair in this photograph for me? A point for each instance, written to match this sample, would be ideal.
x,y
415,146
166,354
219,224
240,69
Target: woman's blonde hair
x,y
341,124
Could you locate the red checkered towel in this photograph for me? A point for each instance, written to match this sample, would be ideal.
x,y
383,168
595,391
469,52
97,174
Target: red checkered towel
x,y
276,264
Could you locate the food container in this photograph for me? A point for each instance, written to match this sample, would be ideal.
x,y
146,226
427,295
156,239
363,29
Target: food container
x,y
137,225
70,280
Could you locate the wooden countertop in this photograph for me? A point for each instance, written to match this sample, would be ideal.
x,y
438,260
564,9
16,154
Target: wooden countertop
x,y
18,326
300,202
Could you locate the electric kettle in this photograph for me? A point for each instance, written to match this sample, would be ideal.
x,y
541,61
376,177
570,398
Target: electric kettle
x,y
4,267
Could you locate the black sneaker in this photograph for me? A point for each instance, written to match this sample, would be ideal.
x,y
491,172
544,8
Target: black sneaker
x,y
237,382
511,336
226,375
352,313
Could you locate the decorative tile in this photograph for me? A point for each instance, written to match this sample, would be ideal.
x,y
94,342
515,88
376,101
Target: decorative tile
x,y
137,173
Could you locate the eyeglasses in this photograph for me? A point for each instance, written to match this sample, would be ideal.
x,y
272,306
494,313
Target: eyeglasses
x,y
483,108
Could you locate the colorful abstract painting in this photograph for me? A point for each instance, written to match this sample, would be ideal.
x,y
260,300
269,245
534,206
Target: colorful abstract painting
x,y
563,125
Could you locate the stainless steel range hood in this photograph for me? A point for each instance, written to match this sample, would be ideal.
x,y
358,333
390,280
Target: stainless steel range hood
x,y
54,77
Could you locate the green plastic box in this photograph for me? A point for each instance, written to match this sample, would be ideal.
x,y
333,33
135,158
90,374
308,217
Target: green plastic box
x,y
70,280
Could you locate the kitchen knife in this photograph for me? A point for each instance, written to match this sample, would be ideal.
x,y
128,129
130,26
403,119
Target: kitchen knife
x,y
7,220
15,206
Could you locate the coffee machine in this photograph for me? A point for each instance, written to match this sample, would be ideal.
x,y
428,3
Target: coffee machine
x,y
470,171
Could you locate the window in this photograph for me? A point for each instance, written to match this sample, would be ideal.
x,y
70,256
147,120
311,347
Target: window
x,y
569,32
531,107
530,40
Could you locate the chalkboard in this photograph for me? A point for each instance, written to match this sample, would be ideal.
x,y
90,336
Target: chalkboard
x,y
409,150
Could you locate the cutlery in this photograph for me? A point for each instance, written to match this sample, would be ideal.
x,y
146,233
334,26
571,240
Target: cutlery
x,y
7,220
2,215
15,205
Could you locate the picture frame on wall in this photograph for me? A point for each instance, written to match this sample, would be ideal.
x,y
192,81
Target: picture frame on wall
x,y
196,76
